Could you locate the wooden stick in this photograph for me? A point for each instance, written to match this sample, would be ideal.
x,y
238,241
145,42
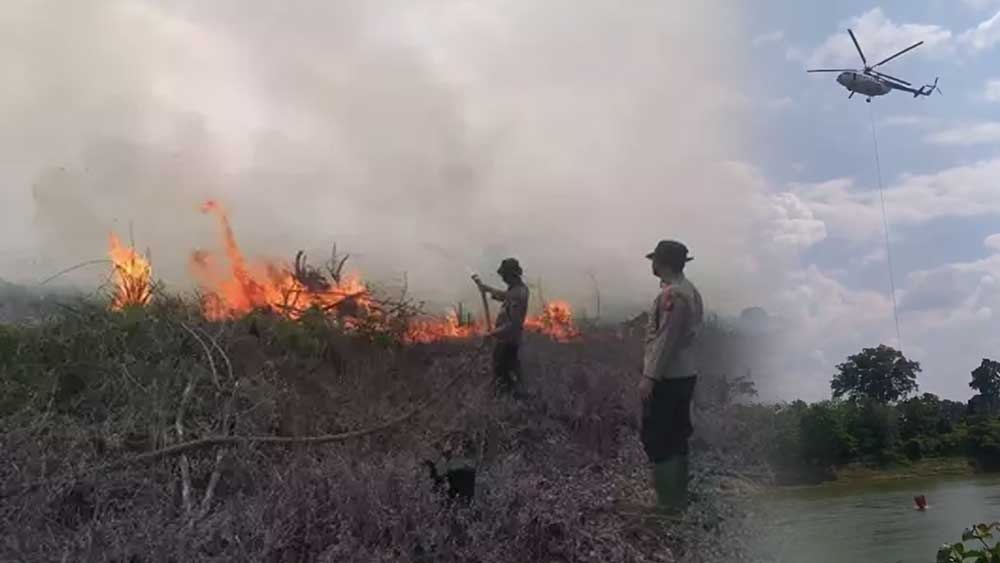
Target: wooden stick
x,y
486,308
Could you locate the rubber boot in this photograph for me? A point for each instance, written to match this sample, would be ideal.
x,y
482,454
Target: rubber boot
x,y
683,479
670,483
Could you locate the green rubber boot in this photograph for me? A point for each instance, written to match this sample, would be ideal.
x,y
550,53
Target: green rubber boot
x,y
683,479
670,479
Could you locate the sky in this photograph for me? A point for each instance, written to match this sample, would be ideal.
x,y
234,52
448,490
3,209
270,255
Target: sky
x,y
434,138
939,164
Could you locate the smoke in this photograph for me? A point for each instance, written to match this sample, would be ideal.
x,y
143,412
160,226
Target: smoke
x,y
426,138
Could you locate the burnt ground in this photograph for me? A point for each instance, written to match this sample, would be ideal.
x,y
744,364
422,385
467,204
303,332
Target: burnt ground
x,y
553,466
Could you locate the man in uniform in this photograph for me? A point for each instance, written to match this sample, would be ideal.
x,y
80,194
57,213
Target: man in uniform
x,y
669,374
506,334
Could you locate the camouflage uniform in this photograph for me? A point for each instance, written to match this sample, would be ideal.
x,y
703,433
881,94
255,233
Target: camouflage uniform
x,y
674,320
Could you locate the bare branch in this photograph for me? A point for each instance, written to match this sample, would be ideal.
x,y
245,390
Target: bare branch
x,y
225,357
133,380
208,354
185,465
220,454
182,449
72,268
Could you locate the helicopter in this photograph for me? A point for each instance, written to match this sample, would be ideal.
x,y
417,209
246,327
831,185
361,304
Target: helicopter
x,y
870,82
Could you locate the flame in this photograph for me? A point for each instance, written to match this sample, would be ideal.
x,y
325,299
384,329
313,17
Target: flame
x,y
244,286
423,331
556,321
232,286
132,275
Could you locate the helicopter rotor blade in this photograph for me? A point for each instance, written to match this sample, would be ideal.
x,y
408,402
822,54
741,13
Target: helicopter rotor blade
x,y
890,77
831,70
910,48
860,52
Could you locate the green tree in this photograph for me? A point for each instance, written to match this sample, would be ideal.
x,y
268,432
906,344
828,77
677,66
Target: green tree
x,y
921,421
875,428
919,416
983,442
986,380
880,374
952,413
823,435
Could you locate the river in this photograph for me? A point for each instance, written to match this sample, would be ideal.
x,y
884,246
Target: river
x,y
875,523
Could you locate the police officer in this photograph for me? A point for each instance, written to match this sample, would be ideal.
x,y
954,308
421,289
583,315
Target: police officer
x,y
669,374
509,322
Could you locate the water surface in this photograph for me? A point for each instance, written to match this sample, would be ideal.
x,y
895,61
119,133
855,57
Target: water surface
x,y
876,523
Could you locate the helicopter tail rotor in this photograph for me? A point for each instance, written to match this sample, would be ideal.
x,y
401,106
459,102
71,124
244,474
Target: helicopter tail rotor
x,y
927,89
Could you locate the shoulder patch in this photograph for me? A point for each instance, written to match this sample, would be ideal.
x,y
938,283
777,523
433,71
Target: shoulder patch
x,y
667,297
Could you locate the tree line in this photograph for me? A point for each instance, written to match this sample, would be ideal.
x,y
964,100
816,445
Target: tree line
x,y
877,417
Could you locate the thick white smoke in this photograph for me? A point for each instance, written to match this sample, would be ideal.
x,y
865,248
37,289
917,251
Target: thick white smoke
x,y
425,137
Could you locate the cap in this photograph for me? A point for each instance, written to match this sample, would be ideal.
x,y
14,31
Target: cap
x,y
670,250
509,266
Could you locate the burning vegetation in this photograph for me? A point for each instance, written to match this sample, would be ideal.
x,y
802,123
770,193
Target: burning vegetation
x,y
133,276
232,286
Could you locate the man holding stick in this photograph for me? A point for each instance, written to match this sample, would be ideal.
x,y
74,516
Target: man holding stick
x,y
509,322
669,374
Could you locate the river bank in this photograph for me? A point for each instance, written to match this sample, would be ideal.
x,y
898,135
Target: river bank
x,y
857,473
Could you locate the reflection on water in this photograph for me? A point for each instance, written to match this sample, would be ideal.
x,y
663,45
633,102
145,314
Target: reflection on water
x,y
876,523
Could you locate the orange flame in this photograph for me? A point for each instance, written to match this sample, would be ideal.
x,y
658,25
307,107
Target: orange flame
x,y
133,275
233,287
556,321
424,331
266,285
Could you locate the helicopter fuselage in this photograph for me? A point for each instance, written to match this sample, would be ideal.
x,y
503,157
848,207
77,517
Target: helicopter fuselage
x,y
864,84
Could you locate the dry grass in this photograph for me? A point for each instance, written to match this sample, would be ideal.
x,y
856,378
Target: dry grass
x,y
92,387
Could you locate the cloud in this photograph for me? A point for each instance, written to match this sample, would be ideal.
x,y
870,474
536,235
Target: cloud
x,y
915,121
991,92
853,212
942,288
946,320
877,255
947,312
793,224
823,322
955,294
981,4
848,212
982,37
879,37
967,135
771,37
778,104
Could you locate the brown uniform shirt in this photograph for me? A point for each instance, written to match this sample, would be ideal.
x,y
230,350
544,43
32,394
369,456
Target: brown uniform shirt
x,y
674,321
510,319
